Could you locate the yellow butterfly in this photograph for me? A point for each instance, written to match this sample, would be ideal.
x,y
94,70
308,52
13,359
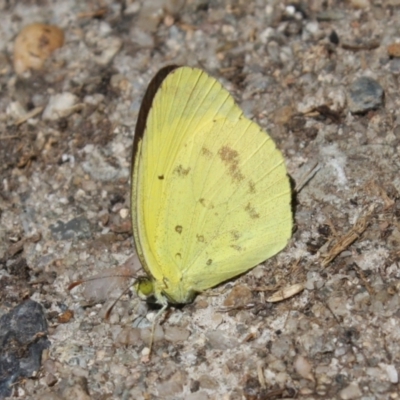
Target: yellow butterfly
x,y
211,198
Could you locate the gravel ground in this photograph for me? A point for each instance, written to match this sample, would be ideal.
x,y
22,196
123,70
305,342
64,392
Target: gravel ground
x,y
322,79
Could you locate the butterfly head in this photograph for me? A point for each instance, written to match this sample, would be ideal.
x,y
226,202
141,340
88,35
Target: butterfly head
x,y
158,292
147,289
144,288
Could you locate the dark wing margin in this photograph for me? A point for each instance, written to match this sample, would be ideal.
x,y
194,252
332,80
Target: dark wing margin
x,y
145,107
140,129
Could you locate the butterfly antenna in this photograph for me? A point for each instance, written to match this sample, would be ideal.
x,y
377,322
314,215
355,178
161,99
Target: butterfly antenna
x,y
95,278
107,316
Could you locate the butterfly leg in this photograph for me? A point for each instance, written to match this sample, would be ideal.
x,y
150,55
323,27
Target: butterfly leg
x,y
153,326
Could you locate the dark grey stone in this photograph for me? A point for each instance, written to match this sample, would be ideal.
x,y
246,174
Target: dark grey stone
x,y
22,340
77,228
365,94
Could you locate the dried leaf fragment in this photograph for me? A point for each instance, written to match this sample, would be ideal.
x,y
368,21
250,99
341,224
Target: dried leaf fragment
x,y
286,292
345,241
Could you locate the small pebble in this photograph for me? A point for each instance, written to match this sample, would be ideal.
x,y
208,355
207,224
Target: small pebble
x,y
129,337
176,334
60,106
334,38
174,7
142,38
281,346
350,392
239,296
50,366
391,371
150,16
197,396
282,115
34,44
208,382
365,94
145,334
217,340
303,368
123,213
50,396
76,389
394,66
171,387
145,352
330,15
15,110
394,50
359,4
107,49
65,317
50,379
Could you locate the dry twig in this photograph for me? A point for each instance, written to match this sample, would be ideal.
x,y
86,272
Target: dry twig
x,y
345,241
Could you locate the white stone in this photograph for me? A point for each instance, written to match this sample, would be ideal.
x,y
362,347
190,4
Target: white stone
x,y
60,106
350,392
391,371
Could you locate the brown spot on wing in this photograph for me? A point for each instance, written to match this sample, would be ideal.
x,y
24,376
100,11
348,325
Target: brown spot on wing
x,y
200,238
230,158
206,152
181,171
178,229
252,187
252,211
206,203
236,247
235,235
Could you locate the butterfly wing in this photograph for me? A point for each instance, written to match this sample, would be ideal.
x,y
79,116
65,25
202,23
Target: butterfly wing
x,y
212,197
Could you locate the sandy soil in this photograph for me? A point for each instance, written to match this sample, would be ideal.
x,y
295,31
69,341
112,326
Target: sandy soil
x,y
64,199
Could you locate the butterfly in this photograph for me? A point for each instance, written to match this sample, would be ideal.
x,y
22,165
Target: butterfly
x,y
210,196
